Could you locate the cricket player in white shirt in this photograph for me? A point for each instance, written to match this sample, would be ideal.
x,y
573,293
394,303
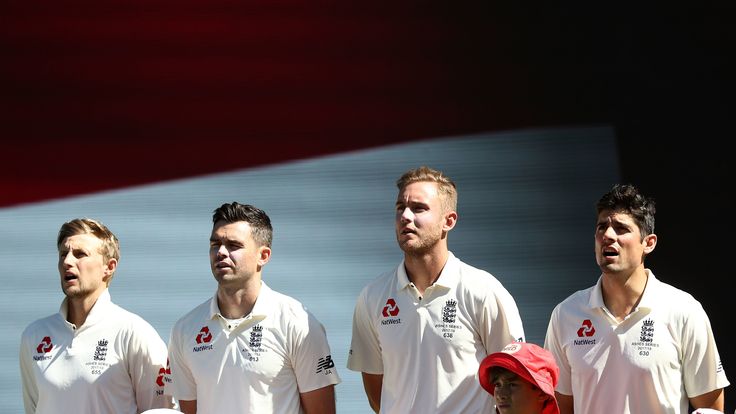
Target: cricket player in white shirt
x,y
249,349
631,343
92,356
421,330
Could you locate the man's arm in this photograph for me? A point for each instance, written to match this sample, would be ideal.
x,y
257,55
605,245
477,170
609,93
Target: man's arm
x,y
146,357
713,399
188,407
30,390
321,400
565,402
373,384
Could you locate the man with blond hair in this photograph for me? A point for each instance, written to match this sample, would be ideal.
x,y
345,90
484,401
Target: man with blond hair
x,y
92,356
421,330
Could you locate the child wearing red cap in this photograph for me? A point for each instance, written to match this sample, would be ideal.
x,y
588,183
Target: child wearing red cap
x,y
521,378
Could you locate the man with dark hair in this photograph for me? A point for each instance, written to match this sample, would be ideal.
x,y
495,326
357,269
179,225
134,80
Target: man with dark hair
x,y
93,356
631,343
249,349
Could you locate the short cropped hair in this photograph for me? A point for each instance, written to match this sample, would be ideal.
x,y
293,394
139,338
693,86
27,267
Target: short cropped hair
x,y
260,223
627,199
110,245
445,185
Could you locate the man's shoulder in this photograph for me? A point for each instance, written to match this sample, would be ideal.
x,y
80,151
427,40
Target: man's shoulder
x,y
676,300
472,272
664,289
380,285
123,315
42,324
199,312
129,324
477,279
283,303
576,298
386,278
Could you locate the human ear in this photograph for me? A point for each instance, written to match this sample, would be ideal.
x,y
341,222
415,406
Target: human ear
x,y
110,267
650,242
264,255
450,220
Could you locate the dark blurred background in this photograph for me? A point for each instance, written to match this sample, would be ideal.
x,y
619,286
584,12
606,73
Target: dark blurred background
x,y
102,95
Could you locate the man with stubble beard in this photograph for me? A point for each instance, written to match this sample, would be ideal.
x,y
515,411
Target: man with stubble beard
x,y
92,356
421,330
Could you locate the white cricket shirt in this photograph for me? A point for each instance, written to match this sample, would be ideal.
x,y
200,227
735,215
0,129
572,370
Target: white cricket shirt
x,y
661,354
429,348
259,366
113,363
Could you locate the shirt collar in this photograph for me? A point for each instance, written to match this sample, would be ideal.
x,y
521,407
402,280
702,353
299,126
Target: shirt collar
x,y
596,295
97,313
648,297
448,277
260,308
264,302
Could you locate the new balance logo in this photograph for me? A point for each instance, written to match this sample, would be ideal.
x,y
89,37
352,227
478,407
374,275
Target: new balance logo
x,y
324,364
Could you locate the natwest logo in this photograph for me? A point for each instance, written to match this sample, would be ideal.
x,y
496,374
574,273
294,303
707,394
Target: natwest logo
x,y
204,335
45,345
390,309
587,329
162,373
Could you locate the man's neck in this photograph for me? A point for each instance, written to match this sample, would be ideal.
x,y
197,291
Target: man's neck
x,y
424,269
622,292
78,308
237,302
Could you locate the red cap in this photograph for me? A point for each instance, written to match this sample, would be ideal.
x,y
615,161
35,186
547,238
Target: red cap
x,y
529,361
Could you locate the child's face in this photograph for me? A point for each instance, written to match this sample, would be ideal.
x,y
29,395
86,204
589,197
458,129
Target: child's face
x,y
515,395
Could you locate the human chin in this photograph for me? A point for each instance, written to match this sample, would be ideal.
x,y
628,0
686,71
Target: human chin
x,y
413,246
221,272
73,291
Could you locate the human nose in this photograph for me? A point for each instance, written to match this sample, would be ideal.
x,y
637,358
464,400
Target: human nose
x,y
609,233
405,215
221,251
502,390
67,259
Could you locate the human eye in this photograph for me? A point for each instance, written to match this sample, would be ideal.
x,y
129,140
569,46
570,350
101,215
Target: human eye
x,y
418,208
